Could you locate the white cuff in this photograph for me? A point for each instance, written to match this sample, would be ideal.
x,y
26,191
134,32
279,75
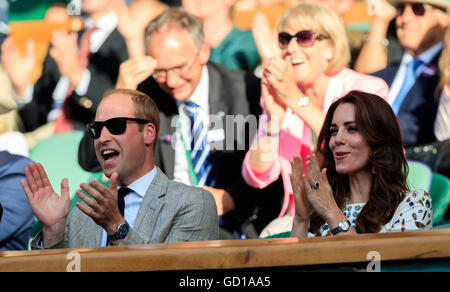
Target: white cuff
x,y
26,98
82,88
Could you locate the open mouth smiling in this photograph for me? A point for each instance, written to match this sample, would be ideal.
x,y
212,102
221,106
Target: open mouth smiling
x,y
109,154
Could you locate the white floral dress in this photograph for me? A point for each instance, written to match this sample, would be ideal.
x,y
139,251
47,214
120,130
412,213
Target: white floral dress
x,y
415,212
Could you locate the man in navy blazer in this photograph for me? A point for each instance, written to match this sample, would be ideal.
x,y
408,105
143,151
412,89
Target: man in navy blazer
x,y
17,218
421,26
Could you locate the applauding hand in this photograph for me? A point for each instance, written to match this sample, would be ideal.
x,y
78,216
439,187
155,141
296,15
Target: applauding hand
x,y
48,207
18,67
135,70
303,208
280,76
102,206
318,190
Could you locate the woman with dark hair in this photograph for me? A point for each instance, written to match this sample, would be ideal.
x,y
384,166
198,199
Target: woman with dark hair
x,y
297,89
356,180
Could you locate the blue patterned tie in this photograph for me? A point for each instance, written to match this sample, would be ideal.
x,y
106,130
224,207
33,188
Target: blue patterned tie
x,y
410,79
200,149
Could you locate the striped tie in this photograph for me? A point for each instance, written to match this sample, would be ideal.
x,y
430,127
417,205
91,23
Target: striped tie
x,y
200,149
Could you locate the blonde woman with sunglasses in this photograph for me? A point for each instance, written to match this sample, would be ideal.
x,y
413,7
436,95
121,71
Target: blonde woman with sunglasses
x,y
297,89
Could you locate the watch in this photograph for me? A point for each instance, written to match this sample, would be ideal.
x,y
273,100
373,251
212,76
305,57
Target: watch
x,y
343,226
121,232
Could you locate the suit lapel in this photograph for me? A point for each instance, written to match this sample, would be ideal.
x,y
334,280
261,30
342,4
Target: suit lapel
x,y
218,106
151,206
165,156
422,88
388,74
217,95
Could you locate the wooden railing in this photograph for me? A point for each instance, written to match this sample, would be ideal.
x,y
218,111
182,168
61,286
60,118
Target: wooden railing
x,y
236,254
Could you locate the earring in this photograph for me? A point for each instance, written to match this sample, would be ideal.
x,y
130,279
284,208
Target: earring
x,y
329,57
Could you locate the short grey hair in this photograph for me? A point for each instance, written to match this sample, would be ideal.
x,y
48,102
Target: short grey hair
x,y
176,17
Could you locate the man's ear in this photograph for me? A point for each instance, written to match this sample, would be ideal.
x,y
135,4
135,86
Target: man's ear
x,y
149,134
444,19
205,52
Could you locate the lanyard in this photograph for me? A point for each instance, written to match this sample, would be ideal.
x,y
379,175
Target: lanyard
x,y
187,152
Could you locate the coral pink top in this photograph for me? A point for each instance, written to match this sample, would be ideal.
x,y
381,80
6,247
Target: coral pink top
x,y
296,137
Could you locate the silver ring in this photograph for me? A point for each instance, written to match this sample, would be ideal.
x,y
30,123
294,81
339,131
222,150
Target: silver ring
x,y
315,185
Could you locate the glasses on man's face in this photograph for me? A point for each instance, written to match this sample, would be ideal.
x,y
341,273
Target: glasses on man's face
x,y
418,9
160,75
115,126
304,38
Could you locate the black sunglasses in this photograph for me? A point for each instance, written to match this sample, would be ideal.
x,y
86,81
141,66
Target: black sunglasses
x,y
304,38
115,126
417,8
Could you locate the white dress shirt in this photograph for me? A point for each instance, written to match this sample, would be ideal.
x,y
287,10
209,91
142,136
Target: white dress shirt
x,y
201,98
134,200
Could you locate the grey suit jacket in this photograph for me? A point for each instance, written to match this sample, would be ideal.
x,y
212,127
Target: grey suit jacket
x,y
170,212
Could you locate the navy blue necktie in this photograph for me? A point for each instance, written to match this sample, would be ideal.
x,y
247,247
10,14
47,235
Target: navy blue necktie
x,y
121,193
200,149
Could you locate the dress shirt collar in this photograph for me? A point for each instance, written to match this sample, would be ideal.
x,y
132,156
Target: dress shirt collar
x,y
105,26
426,57
141,185
106,23
201,93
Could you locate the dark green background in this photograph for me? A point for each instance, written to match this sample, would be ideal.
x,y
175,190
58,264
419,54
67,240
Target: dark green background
x,y
29,9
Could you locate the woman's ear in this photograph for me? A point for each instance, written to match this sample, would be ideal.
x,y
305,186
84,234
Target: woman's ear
x,y
329,56
329,52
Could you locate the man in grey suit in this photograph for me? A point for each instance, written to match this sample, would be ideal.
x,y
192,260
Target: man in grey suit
x,y
201,104
147,208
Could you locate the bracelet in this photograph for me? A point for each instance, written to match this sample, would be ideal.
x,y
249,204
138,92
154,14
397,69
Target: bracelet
x,y
384,42
268,134
303,101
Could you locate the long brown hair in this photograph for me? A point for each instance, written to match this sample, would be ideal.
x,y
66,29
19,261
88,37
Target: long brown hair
x,y
378,124
444,63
